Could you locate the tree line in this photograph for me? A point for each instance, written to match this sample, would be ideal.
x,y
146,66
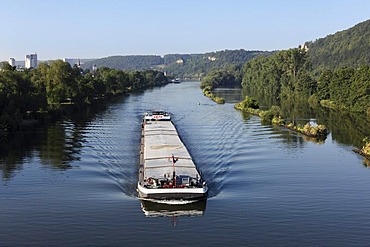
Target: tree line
x,y
332,71
348,48
346,88
49,86
178,65
228,77
199,65
289,74
133,62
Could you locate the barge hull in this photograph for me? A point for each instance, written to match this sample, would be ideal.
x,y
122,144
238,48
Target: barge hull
x,y
172,194
167,170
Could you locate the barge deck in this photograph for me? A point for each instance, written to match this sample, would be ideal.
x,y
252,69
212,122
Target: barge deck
x,y
167,171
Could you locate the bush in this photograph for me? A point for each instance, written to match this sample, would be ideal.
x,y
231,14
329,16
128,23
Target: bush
x,y
366,147
219,100
278,120
251,103
247,104
266,116
276,111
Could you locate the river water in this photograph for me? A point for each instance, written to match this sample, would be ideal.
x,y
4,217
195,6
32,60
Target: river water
x,y
72,183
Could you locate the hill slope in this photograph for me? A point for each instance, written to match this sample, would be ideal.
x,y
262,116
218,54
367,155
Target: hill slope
x,y
134,62
198,65
348,48
178,65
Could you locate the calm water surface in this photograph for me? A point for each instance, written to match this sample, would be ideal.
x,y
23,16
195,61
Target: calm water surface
x,y
73,183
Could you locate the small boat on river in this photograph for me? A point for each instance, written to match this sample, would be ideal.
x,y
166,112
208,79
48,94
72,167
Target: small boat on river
x,y
167,171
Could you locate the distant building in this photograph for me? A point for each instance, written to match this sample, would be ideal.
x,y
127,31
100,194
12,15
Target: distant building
x,y
73,61
12,62
30,61
304,47
180,61
212,58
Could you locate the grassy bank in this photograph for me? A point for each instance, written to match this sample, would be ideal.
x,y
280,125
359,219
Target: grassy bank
x,y
273,116
207,92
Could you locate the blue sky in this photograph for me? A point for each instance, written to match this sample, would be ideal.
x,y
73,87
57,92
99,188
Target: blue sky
x,y
92,29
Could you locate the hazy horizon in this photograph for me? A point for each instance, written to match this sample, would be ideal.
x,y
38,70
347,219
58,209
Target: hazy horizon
x,y
95,29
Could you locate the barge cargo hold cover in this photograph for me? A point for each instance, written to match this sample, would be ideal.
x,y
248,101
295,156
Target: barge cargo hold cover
x,y
167,171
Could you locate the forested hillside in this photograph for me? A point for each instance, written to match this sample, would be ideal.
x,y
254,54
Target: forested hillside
x,y
126,62
198,65
281,75
348,48
288,74
333,71
178,65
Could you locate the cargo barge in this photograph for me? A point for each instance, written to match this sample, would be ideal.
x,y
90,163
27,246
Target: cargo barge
x,y
167,171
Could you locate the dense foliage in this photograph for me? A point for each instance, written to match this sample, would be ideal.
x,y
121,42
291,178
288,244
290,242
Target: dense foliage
x,y
288,74
348,48
283,74
178,65
274,116
229,77
333,71
198,65
134,62
48,87
346,88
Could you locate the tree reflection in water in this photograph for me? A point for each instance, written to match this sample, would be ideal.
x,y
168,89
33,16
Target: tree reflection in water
x,y
55,145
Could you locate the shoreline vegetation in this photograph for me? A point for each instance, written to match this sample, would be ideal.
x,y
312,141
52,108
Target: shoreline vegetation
x,y
365,150
207,92
273,116
327,73
31,97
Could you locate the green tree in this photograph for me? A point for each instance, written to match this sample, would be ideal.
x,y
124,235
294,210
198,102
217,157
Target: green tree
x,y
340,86
6,66
60,83
324,80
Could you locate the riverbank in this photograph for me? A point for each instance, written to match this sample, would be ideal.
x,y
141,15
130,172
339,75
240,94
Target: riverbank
x,y
207,92
9,124
365,150
273,116
81,173
53,87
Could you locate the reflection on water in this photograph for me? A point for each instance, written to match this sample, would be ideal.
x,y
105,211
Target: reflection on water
x,y
73,183
345,127
160,209
56,144
230,95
